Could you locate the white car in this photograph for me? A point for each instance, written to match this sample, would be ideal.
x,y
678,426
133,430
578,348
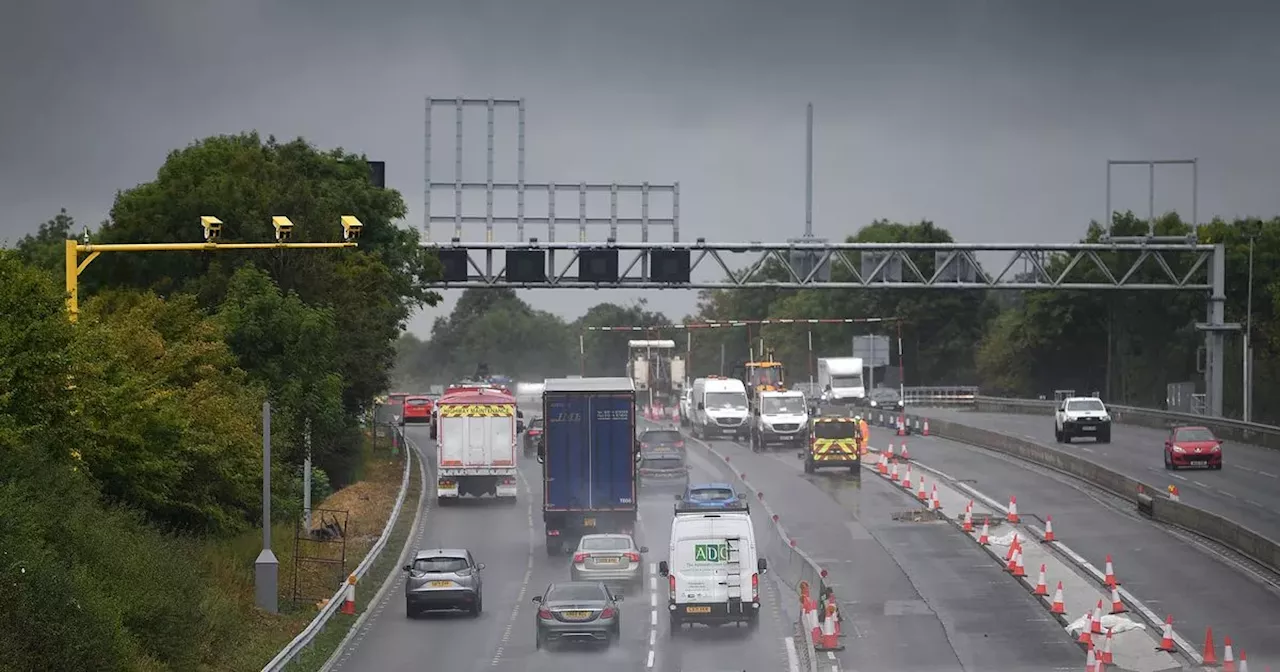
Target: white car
x,y
1082,416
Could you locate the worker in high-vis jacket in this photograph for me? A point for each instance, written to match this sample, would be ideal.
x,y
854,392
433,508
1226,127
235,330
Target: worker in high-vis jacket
x,y
865,430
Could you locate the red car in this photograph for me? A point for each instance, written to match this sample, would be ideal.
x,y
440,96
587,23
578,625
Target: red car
x,y
417,409
1192,447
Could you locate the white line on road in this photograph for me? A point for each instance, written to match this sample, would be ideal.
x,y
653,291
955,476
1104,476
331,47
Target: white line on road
x,y
653,618
1180,478
1256,471
653,637
649,663
793,660
1203,485
653,600
524,584
1224,492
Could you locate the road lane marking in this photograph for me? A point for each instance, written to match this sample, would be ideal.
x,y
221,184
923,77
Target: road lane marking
x,y
793,660
1180,478
1203,485
653,637
653,618
653,600
1224,492
524,583
649,663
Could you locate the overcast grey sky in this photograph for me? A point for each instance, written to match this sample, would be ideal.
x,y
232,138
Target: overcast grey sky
x,y
994,118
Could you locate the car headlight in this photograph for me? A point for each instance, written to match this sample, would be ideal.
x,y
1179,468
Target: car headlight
x,y
1178,449
874,403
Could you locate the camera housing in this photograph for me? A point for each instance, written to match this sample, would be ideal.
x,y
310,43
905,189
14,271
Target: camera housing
x,y
284,228
351,228
212,228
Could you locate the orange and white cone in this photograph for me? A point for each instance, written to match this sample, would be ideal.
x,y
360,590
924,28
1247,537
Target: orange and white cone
x,y
1018,569
986,528
906,479
906,454
1042,588
935,504
1210,658
1110,578
349,597
921,493
1228,656
1048,529
1095,624
1090,662
1166,639
1244,664
1058,606
925,430
1013,547
883,465
902,425
1013,510
1085,638
893,471
968,518
1106,658
889,450
1117,605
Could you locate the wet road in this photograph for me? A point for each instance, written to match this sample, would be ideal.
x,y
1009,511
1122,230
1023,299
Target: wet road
x,y
509,540
1246,490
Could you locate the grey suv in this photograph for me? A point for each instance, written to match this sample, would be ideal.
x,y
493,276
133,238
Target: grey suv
x,y
443,578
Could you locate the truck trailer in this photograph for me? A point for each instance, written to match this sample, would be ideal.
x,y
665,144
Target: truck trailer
x,y
588,459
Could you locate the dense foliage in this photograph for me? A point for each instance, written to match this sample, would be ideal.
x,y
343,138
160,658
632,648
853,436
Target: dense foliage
x,y
132,439
1127,345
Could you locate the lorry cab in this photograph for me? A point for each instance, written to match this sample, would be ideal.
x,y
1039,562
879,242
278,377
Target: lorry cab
x,y
713,570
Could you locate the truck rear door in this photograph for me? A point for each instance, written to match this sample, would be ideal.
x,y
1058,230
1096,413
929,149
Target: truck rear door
x,y
613,475
567,451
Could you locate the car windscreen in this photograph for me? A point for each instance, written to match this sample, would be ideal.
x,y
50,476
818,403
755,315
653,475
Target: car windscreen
x,y
782,406
440,564
844,382
1086,405
605,544
576,593
662,462
726,400
710,494
664,436
884,394
834,430
1195,434
421,401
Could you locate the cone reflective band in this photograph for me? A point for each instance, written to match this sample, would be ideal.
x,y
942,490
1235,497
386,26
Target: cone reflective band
x,y
1095,625
986,529
1106,649
1228,656
1110,578
1166,639
1013,510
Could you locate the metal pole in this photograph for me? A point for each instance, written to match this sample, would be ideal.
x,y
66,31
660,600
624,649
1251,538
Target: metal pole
x,y
1248,343
722,358
808,175
871,365
266,569
902,378
1213,336
1151,199
306,476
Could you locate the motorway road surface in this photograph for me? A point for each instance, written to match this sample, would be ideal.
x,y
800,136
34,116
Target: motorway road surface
x,y
1246,490
509,540
1173,575
918,596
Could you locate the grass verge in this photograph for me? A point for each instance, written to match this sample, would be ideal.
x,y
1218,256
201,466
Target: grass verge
x,y
366,506
325,643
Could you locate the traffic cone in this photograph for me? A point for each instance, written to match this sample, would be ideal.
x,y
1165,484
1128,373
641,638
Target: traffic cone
x,y
883,465
1173,493
1110,578
1013,546
890,450
937,503
968,519
1105,658
1090,662
1013,509
1244,664
1228,656
1058,606
902,425
924,431
893,470
986,528
1048,529
1018,569
906,480
1117,605
921,494
1166,639
349,598
1210,658
1095,624
1085,638
906,454
1041,587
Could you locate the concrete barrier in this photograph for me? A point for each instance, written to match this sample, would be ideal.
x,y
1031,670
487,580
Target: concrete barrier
x,y
1233,535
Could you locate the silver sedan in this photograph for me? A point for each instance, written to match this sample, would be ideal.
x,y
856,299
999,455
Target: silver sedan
x,y
611,558
580,611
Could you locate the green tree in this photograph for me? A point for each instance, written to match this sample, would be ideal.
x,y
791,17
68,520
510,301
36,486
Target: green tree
x,y
170,422
46,247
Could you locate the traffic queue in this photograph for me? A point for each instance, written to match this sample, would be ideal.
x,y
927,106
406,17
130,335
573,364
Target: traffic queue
x,y
595,464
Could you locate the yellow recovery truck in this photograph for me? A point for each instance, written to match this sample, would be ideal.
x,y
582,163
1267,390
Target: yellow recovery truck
x,y
833,442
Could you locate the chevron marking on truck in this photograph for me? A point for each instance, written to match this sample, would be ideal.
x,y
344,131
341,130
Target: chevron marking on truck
x,y
477,410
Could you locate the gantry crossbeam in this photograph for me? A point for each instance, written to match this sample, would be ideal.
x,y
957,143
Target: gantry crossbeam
x,y
1074,266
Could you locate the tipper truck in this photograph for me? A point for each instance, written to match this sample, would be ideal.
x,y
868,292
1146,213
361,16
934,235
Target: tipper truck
x,y
588,459
476,444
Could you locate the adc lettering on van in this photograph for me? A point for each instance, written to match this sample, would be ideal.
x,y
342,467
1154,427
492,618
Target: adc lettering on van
x,y
710,552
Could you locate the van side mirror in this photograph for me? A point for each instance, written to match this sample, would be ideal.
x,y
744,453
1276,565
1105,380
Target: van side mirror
x,y
663,568
762,566
537,599
679,497
480,566
408,568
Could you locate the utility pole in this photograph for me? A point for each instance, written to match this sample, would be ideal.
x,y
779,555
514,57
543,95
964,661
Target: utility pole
x,y
1248,340
266,569
306,476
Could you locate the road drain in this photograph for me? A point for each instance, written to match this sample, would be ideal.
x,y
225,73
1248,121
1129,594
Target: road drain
x,y
917,516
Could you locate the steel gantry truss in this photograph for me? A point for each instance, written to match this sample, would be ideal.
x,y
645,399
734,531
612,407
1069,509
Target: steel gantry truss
x,y
794,265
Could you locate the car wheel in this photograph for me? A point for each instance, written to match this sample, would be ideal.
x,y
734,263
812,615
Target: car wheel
x,y
1104,438
409,611
1168,464
537,639
479,605
675,625
1217,467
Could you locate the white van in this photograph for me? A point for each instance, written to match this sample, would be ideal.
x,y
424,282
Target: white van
x,y
840,379
713,572
720,408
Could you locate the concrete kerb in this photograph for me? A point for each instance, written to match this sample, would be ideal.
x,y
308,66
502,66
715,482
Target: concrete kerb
x,y
1137,648
808,653
392,577
1255,546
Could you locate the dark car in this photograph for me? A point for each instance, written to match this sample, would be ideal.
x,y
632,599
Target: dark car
x,y
662,466
532,437
884,399
1192,447
657,438
703,497
582,611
